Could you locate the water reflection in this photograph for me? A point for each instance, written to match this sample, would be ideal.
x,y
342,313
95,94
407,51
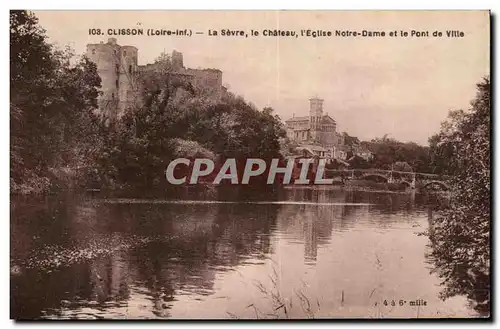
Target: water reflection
x,y
84,257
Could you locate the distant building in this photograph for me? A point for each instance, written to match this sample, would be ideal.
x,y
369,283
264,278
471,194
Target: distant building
x,y
316,133
317,128
341,152
119,72
315,151
364,153
357,150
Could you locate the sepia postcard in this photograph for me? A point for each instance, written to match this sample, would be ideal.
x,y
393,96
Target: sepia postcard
x,y
250,165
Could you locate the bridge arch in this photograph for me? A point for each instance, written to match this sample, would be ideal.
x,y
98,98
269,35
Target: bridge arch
x,y
436,182
384,178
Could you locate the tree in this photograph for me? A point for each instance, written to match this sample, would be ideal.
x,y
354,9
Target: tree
x,y
401,166
52,106
388,151
141,145
350,140
357,162
461,233
445,145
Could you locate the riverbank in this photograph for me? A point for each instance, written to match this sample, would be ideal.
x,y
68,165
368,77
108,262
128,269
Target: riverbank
x,y
176,191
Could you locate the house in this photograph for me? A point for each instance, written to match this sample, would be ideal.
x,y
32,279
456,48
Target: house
x,y
341,152
316,151
364,153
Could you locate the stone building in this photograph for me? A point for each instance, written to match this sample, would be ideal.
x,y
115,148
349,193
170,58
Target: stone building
x,y
120,75
317,128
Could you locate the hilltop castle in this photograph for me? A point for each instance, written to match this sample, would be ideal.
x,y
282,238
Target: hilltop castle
x,y
117,66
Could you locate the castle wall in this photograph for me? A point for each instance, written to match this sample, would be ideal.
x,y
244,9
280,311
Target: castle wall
x,y
120,75
103,55
207,79
177,60
176,76
127,78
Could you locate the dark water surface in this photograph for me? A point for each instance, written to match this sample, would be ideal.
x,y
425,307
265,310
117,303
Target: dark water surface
x,y
298,253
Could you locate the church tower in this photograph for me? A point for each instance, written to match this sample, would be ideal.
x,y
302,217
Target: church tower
x,y
315,117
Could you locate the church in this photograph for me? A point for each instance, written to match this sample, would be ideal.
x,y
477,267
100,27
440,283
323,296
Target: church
x,y
316,129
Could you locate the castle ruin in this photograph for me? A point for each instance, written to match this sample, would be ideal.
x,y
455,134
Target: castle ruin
x,y
119,72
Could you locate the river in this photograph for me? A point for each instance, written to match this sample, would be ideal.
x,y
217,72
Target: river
x,y
296,253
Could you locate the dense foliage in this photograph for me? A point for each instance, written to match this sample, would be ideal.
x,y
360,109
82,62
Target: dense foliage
x,y
388,152
461,233
56,128
51,106
139,147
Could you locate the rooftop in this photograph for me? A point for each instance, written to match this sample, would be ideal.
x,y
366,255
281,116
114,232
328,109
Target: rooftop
x,y
298,119
306,118
316,148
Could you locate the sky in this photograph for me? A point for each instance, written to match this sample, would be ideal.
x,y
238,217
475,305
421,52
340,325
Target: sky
x,y
400,86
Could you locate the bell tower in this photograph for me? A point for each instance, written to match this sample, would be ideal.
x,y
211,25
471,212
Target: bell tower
x,y
315,117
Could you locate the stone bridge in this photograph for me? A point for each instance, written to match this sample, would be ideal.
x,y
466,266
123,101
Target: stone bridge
x,y
426,181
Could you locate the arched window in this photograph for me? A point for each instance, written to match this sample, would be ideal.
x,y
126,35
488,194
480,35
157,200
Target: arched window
x,y
124,53
130,69
93,51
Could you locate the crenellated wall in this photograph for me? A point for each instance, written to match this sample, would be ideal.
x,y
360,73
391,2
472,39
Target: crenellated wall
x,y
119,71
208,79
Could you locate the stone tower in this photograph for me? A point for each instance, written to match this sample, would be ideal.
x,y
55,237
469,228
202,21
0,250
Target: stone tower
x,y
315,117
127,78
116,65
177,60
